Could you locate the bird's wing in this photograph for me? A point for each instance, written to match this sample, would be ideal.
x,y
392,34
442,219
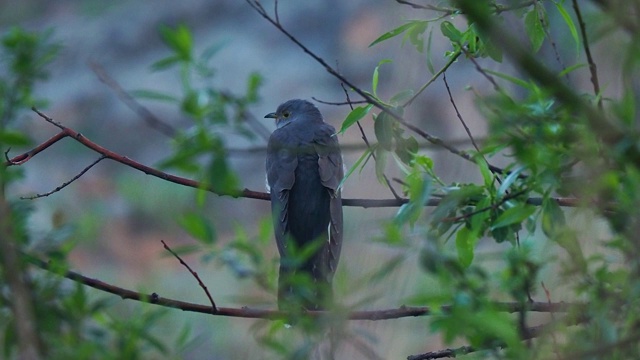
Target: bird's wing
x,y
331,174
281,166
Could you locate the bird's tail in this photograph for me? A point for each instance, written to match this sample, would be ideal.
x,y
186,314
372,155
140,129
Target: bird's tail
x,y
304,287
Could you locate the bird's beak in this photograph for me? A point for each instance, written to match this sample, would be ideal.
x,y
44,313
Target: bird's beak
x,y
271,116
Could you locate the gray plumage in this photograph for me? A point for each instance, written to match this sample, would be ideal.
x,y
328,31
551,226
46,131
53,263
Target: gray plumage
x,y
304,169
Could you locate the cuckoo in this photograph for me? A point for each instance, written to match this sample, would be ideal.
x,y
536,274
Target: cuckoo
x,y
304,171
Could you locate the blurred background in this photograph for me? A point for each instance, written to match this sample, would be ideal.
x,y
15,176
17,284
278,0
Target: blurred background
x,y
120,215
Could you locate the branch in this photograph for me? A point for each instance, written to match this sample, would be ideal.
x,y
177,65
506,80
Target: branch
x,y
585,43
339,103
455,107
153,121
37,196
452,58
248,313
366,141
214,309
23,158
531,333
498,8
446,353
430,138
609,132
245,193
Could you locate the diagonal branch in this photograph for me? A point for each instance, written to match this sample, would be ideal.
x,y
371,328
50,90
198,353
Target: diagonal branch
x,y
214,308
366,141
587,50
153,121
430,138
64,185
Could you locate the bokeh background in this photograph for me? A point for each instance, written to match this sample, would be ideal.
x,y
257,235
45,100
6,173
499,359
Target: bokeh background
x,y
120,215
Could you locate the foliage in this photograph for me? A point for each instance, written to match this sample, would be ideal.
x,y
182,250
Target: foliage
x,y
558,140
71,321
546,128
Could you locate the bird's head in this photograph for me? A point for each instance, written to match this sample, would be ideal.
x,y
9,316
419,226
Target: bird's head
x,y
295,111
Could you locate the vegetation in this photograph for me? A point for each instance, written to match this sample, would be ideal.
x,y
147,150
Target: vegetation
x,y
572,152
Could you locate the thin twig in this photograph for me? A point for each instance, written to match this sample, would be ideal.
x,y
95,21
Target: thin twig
x,y
366,141
339,103
432,139
551,313
23,158
585,43
452,58
445,353
455,107
214,309
37,196
153,121
490,207
473,60
498,8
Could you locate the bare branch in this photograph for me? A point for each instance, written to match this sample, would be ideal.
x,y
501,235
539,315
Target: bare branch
x,y
214,309
464,124
66,183
244,193
153,121
432,139
452,58
23,158
585,43
338,103
248,313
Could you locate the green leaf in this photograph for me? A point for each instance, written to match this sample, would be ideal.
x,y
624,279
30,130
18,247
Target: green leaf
x,y
571,68
514,215
570,24
153,95
198,227
416,35
509,78
165,63
534,27
354,116
383,127
419,188
401,97
552,217
453,199
395,32
484,170
449,30
210,51
477,221
429,56
465,245
374,81
254,81
365,155
221,177
381,163
179,40
406,149
13,138
510,179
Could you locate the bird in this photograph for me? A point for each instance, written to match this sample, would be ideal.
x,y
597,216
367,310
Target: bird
x,y
304,169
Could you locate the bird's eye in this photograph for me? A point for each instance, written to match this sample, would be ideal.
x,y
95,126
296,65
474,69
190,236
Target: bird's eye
x,y
286,114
